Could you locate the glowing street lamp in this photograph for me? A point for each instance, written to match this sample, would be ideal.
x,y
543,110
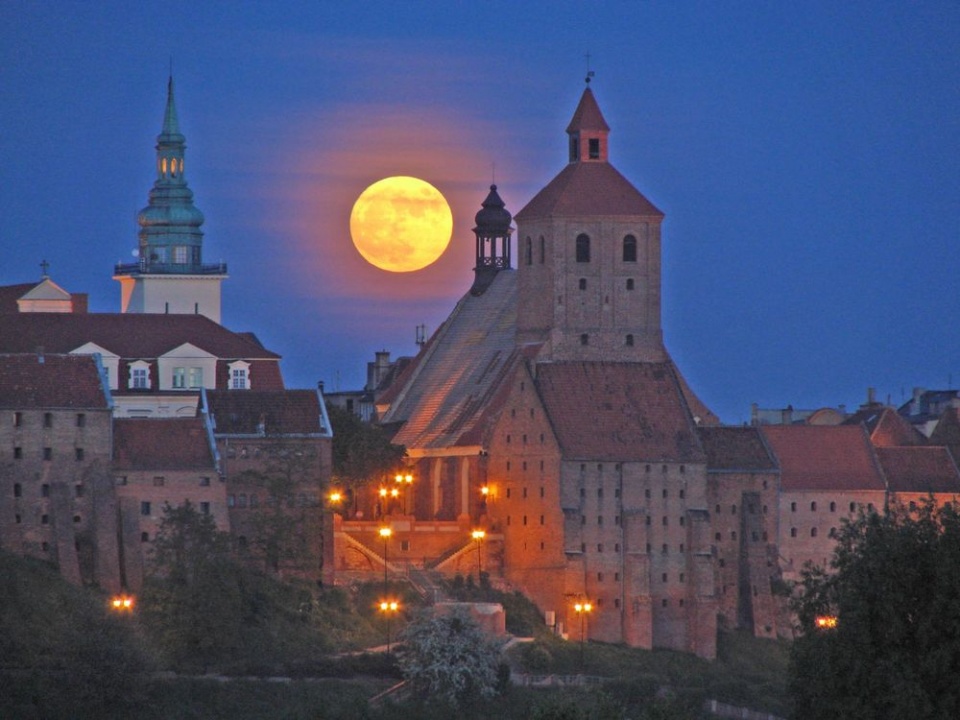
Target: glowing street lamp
x,y
825,622
122,603
404,479
582,608
388,607
478,535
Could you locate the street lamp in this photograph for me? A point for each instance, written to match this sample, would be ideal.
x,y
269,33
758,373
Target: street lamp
x,y
385,533
478,535
582,609
404,479
122,603
388,607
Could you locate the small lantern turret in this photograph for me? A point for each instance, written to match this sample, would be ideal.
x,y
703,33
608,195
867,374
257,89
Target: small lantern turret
x,y
493,241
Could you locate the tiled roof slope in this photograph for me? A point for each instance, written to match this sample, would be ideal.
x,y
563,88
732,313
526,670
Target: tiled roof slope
x,y
291,412
161,444
886,427
947,431
587,116
9,294
594,189
824,457
442,396
50,381
618,411
129,335
919,469
736,448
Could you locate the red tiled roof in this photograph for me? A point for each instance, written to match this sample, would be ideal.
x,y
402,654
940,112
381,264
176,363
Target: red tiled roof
x,y
886,426
919,469
295,412
587,116
129,335
161,444
56,381
735,448
594,189
618,411
823,457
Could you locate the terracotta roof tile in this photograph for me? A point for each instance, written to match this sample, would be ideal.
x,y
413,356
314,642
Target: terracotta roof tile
x,y
50,381
587,116
241,412
919,469
736,448
594,189
887,428
824,457
129,335
441,398
161,444
618,411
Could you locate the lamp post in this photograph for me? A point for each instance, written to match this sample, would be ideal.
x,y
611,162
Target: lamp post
x,y
404,479
582,609
385,533
387,607
478,535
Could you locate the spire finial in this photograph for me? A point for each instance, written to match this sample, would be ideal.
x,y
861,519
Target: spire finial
x,y
590,72
44,265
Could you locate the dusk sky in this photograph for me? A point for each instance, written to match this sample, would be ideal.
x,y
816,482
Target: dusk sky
x,y
806,155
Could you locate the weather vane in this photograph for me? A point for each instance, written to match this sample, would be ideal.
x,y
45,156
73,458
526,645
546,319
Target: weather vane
x,y
590,72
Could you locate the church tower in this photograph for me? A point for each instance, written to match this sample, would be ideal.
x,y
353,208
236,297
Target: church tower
x,y
589,268
169,275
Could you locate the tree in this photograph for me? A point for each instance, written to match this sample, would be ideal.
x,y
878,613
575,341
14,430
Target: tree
x,y
448,658
894,590
361,451
192,598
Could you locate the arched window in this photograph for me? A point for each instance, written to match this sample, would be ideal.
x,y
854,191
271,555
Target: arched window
x,y
629,249
583,248
528,252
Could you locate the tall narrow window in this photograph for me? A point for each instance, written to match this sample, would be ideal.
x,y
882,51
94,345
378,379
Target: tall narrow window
x,y
583,248
543,250
18,419
528,252
48,420
179,378
195,377
629,249
593,147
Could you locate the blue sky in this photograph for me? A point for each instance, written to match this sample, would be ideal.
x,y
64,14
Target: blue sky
x,y
805,155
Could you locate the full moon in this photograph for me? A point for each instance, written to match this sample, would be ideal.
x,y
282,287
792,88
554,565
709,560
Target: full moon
x,y
401,224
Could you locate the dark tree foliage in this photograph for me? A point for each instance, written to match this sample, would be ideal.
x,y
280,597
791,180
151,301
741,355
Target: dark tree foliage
x,y
361,452
894,588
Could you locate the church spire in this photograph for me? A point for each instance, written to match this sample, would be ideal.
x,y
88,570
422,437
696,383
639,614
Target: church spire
x,y
588,130
493,241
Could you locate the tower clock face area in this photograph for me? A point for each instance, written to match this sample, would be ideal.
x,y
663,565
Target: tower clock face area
x,y
401,224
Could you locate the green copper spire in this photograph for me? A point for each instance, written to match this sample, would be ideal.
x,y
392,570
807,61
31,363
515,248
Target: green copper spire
x,y
170,235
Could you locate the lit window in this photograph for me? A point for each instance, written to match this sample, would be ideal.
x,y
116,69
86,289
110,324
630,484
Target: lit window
x,y
180,254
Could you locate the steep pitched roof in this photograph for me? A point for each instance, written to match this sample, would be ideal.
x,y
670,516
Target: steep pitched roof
x,y
283,412
440,399
736,448
51,381
594,189
886,427
824,457
947,431
587,116
161,444
128,335
618,411
919,469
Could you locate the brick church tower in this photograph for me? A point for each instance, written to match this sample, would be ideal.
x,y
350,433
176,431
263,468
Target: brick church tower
x,y
589,270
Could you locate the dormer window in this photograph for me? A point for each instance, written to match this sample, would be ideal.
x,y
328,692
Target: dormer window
x,y
239,375
139,376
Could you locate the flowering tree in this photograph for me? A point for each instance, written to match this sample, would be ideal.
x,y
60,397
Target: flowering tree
x,y
447,657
